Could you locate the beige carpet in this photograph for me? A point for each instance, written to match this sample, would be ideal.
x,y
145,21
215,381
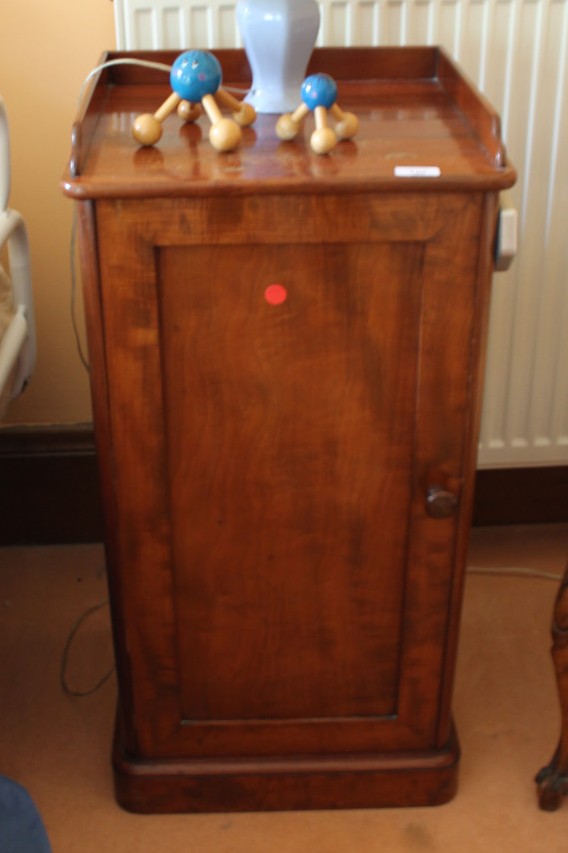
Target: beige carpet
x,y
505,708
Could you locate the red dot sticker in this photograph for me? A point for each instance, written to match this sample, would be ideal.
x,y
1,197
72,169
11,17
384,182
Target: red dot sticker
x,y
275,294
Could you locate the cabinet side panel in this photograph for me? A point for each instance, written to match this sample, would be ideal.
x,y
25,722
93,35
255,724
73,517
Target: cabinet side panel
x,y
135,469
98,372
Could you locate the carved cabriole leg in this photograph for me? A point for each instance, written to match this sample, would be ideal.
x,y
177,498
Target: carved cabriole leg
x,y
552,781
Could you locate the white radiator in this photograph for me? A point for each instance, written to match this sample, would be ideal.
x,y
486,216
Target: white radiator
x,y
516,51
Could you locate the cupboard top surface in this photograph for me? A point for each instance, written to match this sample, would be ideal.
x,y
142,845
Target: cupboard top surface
x,y
414,108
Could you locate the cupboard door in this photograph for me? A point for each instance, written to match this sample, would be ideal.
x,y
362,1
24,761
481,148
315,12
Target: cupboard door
x,y
288,590
289,434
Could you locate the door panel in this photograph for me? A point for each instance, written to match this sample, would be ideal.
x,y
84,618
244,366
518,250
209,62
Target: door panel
x,y
289,434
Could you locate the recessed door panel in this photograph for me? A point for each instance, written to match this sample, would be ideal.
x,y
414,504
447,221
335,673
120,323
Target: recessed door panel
x,y
289,377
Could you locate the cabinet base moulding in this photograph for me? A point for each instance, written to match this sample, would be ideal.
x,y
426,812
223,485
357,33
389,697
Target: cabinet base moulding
x,y
151,786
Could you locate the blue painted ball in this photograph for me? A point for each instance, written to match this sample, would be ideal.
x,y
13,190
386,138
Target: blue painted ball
x,y
319,90
194,74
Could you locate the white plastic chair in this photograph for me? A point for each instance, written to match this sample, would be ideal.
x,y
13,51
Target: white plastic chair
x,y
17,346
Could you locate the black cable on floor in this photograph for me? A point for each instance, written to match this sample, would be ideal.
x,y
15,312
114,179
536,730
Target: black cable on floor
x,y
64,659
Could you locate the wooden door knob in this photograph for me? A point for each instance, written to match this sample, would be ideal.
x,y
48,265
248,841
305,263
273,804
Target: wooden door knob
x,y
440,503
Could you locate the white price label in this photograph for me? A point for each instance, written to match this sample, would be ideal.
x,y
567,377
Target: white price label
x,y
417,171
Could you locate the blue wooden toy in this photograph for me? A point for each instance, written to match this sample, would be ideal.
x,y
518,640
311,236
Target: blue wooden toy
x,y
319,90
319,94
195,74
195,78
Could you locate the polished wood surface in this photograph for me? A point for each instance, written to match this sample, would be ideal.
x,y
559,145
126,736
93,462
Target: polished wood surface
x,y
286,357
425,113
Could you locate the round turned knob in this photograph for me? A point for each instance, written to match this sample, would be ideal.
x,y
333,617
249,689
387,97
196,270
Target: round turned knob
x,y
440,503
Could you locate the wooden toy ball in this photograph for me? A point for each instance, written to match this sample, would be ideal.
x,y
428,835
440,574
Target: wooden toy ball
x,y
195,78
194,74
319,93
319,90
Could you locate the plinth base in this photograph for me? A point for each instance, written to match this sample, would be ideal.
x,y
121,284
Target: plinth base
x,y
286,783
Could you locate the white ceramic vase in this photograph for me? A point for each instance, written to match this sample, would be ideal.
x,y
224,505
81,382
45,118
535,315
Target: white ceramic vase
x,y
279,37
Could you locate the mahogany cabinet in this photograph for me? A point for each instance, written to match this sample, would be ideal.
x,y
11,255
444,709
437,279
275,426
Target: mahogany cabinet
x,y
288,486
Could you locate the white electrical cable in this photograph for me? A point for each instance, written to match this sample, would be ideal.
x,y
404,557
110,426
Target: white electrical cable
x,y
142,63
73,243
516,571
11,344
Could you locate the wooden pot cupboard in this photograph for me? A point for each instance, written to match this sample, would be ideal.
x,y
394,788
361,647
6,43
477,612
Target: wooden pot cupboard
x,y
288,487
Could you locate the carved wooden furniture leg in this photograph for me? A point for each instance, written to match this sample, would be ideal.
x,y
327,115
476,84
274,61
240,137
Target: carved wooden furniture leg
x,y
552,781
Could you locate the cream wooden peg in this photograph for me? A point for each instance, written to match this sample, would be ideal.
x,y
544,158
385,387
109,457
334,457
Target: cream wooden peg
x,y
288,125
347,123
323,139
243,113
189,111
147,128
225,134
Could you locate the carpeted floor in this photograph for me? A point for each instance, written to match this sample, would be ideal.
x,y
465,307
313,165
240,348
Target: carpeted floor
x,y
58,745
